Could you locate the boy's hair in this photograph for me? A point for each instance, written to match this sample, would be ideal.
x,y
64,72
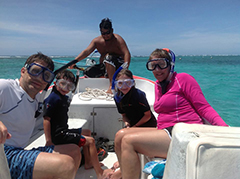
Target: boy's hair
x,y
67,75
160,53
40,57
106,23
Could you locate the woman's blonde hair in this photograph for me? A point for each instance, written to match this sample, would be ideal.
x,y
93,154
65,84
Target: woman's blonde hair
x,y
160,53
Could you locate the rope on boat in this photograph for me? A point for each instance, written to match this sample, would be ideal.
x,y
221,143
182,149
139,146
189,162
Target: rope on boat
x,y
95,93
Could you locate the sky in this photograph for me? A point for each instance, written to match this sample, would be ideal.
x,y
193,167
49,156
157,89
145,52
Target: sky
x,y
66,27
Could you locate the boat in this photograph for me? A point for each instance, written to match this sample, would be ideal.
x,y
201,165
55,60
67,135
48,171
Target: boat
x,y
191,146
194,149
96,112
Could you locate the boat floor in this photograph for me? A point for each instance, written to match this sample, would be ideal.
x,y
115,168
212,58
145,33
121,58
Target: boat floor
x,y
90,173
39,140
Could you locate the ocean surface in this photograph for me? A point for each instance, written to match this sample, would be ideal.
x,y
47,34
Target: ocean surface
x,y
218,76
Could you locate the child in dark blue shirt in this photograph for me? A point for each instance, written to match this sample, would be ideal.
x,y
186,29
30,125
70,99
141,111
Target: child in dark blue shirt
x,y
56,119
132,102
133,105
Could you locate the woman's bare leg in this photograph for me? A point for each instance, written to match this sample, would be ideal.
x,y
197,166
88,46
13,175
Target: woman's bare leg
x,y
121,133
150,142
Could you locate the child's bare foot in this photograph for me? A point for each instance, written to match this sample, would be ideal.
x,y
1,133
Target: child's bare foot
x,y
115,166
106,174
116,175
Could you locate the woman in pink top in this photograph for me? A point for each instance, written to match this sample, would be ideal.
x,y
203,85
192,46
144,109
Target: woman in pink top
x,y
178,98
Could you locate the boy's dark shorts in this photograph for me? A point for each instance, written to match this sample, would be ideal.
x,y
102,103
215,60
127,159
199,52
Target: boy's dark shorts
x,y
69,136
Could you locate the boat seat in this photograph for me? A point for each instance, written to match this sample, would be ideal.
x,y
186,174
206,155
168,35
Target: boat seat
x,y
203,151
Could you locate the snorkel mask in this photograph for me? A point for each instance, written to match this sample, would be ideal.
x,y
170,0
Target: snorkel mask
x,y
163,63
66,85
127,83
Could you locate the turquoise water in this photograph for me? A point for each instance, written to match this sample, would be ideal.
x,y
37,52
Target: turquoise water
x,y
218,76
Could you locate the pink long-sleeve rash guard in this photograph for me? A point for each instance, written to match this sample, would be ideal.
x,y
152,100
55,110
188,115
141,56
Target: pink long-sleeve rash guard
x,y
183,102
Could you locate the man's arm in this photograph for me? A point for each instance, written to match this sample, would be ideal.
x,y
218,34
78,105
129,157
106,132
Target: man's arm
x,y
3,133
47,130
87,51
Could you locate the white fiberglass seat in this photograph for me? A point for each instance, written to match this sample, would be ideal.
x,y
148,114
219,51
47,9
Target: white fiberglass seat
x,y
203,151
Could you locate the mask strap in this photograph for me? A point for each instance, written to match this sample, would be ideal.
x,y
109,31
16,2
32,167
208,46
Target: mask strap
x,y
172,62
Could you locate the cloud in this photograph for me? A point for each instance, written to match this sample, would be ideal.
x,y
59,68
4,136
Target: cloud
x,y
209,42
25,38
198,43
43,29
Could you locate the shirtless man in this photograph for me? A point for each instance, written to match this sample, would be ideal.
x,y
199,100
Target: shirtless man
x,y
112,47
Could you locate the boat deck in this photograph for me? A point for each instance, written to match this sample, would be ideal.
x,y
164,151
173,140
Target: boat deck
x,y
38,139
98,115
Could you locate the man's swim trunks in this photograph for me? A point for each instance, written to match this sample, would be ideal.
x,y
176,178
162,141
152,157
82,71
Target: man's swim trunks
x,y
113,60
21,162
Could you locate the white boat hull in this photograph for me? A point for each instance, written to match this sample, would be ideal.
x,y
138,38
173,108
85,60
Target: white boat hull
x,y
186,149
98,115
102,116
